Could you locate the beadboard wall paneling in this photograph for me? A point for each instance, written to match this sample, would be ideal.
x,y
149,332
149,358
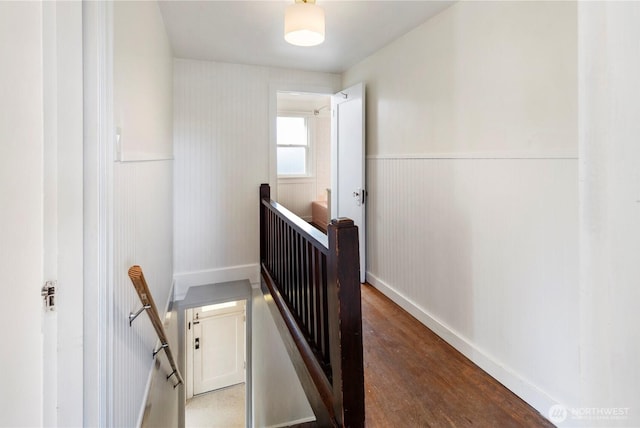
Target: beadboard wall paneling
x,y
297,194
452,85
472,138
221,148
142,229
484,251
142,235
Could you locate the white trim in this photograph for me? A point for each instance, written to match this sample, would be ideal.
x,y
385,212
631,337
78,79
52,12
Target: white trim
x,y
301,113
144,157
525,389
559,154
97,18
63,194
188,353
185,280
296,422
274,88
300,179
51,96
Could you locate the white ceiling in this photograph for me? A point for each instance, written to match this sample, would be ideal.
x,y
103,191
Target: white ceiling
x,y
251,32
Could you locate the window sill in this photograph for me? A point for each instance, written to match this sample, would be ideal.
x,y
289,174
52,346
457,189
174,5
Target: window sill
x,y
296,178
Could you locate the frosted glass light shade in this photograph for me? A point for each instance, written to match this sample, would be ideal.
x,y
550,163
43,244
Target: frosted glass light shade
x,y
304,24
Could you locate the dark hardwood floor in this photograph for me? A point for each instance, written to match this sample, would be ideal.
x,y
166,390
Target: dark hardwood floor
x,y
415,379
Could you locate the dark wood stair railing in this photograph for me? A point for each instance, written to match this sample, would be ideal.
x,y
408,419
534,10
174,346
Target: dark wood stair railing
x,y
311,284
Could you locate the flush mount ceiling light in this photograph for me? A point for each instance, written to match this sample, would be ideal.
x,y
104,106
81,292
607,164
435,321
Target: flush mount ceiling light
x,y
304,23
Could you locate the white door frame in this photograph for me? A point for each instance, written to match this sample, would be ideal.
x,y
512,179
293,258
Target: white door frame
x,y
274,88
63,212
97,20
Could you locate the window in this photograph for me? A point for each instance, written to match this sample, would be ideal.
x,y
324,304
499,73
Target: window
x,y
293,146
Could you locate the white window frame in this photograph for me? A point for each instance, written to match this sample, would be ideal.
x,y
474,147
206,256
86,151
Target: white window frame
x,y
309,146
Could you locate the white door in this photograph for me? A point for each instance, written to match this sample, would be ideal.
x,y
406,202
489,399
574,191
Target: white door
x,y
63,212
41,212
21,213
348,193
218,347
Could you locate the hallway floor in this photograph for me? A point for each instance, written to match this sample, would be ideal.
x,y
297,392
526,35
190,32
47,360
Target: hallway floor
x,y
415,379
223,408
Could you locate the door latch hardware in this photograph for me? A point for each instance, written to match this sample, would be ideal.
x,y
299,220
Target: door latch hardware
x,y
48,293
359,196
197,343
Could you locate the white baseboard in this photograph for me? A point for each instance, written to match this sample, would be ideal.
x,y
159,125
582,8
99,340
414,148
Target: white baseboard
x,y
185,280
296,422
530,393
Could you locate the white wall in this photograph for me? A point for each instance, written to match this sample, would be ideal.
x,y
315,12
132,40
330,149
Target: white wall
x,y
222,135
143,80
490,78
21,215
609,209
278,397
473,186
161,408
142,198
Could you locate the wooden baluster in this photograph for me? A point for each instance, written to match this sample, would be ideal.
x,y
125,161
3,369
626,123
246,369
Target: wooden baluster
x,y
270,243
280,276
272,240
289,272
300,285
305,286
314,293
325,311
296,269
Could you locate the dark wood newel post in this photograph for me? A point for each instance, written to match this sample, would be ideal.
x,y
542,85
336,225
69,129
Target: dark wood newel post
x,y
343,297
265,193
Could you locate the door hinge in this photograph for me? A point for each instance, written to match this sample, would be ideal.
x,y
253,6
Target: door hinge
x,y
48,294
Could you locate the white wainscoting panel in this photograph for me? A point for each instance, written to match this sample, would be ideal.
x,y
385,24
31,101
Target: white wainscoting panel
x,y
485,252
297,194
142,235
221,148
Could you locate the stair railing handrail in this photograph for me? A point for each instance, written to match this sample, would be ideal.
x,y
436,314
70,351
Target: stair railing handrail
x,y
304,270
149,305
